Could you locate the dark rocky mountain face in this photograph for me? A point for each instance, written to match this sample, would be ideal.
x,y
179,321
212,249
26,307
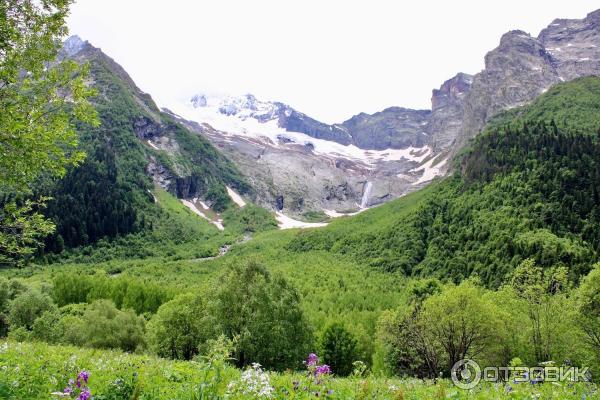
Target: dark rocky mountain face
x,y
392,128
447,108
522,67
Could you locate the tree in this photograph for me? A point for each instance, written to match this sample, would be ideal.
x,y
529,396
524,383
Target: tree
x,y
463,322
263,314
179,327
543,292
41,99
339,349
408,348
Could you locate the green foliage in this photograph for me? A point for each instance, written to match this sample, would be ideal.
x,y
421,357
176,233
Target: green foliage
x,y
37,102
26,307
122,291
339,349
179,327
250,219
588,310
97,325
218,197
104,326
526,188
90,203
22,229
40,101
29,366
263,315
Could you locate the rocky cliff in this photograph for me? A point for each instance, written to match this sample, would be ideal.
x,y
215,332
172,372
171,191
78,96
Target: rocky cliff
x,y
522,67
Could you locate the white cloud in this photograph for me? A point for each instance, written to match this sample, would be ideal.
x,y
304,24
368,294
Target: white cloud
x,y
329,59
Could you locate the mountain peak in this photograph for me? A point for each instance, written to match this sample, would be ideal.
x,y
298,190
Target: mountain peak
x,y
73,45
594,16
243,106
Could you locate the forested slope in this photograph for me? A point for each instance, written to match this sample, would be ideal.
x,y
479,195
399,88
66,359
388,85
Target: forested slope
x,y
109,194
526,187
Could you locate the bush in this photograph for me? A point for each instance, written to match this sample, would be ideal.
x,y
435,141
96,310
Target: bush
x,y
105,326
26,307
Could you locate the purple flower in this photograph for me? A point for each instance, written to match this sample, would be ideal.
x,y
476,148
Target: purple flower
x,y
312,360
322,370
83,376
71,382
68,390
84,395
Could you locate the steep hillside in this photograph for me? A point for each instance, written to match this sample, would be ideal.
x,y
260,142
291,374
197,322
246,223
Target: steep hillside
x,y
527,187
135,149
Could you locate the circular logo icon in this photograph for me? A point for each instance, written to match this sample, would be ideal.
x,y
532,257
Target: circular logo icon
x,y
466,374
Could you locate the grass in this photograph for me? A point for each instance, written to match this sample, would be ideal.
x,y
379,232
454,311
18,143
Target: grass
x,y
34,371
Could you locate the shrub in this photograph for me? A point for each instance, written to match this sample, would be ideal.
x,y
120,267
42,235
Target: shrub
x,y
26,307
105,326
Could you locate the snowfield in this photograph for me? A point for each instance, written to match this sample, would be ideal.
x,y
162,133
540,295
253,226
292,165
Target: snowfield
x,y
238,117
429,171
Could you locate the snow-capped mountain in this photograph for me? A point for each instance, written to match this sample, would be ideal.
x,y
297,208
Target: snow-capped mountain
x,y
268,122
299,164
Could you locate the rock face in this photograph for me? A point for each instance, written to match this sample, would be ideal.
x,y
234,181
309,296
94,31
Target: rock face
x,y
522,67
447,108
392,128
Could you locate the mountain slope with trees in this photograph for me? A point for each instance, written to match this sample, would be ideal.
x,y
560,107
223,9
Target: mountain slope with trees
x,y
109,194
525,188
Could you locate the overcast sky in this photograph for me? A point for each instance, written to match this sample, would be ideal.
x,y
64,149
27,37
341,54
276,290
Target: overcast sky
x,y
330,59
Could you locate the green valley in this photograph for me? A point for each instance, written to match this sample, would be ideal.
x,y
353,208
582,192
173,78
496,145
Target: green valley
x,y
133,269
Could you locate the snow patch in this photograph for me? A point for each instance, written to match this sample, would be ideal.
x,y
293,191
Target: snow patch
x,y
237,199
429,171
286,222
153,196
218,223
335,214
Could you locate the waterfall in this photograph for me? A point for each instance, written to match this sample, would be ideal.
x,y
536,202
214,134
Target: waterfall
x,y
366,194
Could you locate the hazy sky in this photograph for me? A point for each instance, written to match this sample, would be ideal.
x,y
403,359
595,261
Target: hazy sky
x,y
330,59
